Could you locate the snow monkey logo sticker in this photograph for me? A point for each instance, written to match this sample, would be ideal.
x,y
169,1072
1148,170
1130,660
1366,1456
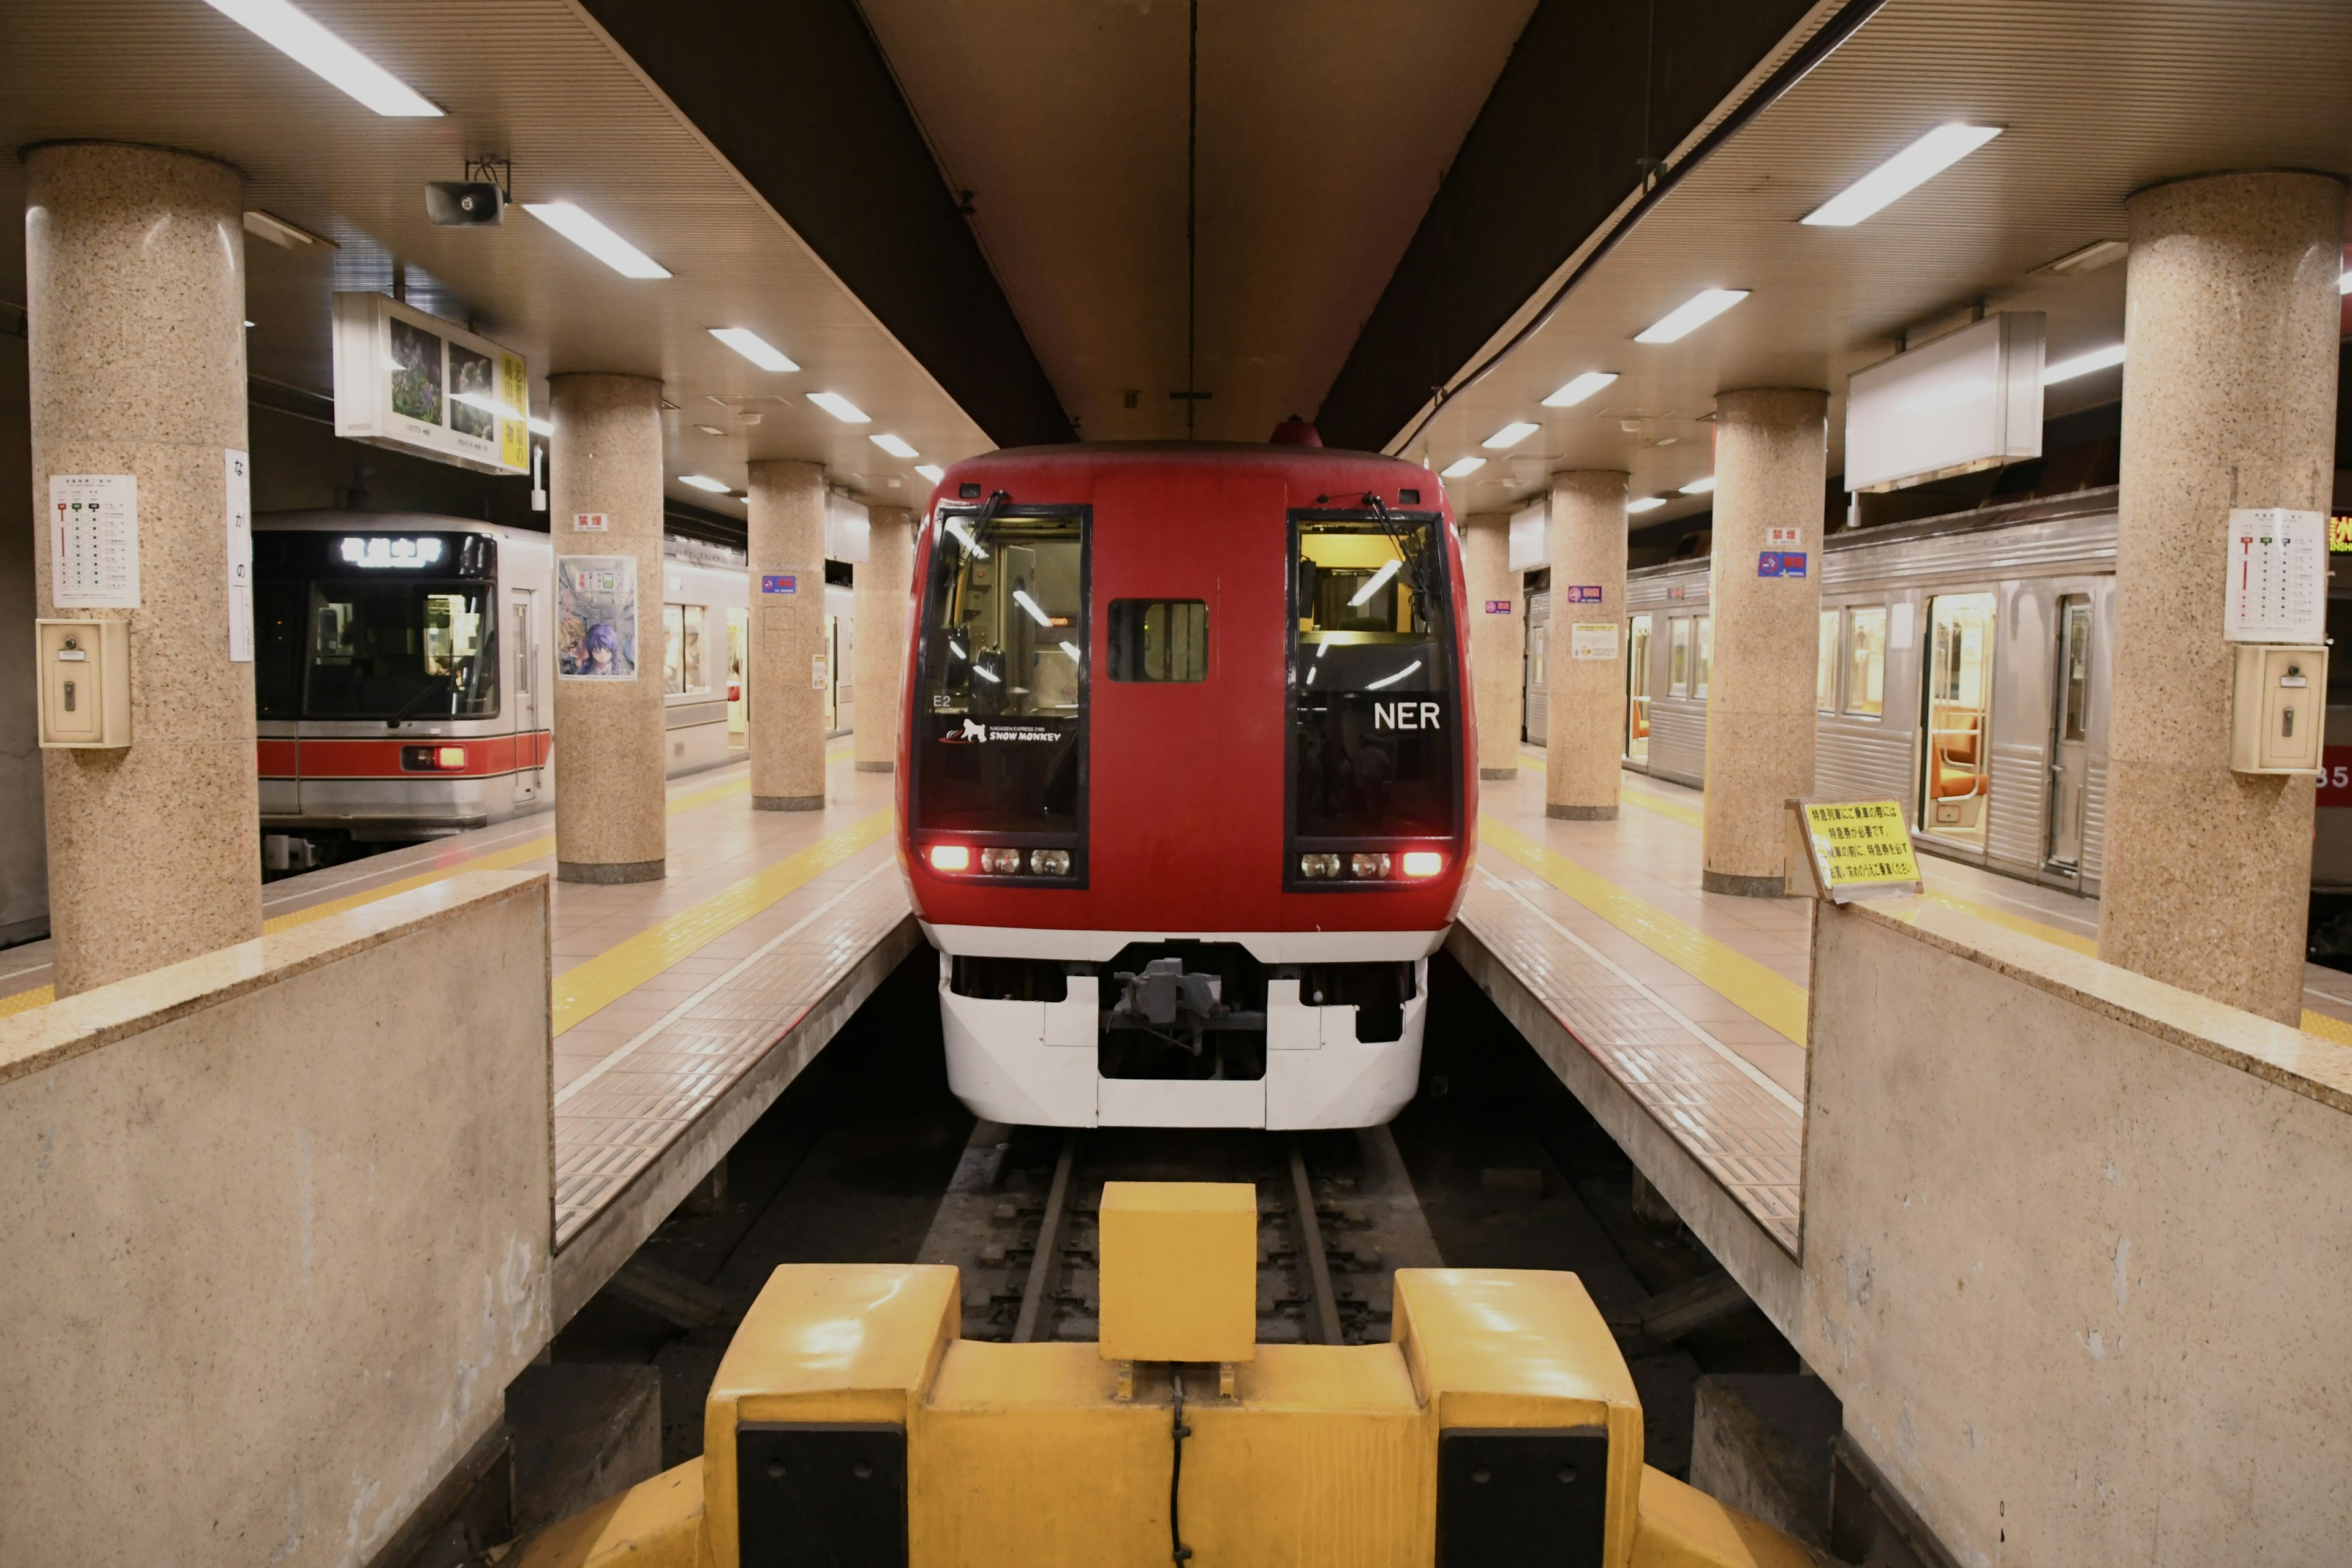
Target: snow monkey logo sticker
x,y
971,733
974,734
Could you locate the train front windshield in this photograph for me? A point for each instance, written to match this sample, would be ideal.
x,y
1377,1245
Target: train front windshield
x,y
1376,713
347,632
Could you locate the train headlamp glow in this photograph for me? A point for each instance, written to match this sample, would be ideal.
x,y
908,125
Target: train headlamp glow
x,y
1380,580
950,856
449,759
1424,862
410,554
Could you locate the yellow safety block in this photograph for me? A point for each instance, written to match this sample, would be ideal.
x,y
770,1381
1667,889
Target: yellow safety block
x,y
1179,1271
1725,969
1682,1526
655,1524
620,969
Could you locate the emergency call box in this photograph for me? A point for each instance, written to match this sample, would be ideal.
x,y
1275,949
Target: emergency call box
x,y
2279,715
85,683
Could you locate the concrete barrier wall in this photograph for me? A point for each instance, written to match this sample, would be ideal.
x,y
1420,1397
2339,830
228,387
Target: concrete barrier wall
x,y
275,1227
2077,1249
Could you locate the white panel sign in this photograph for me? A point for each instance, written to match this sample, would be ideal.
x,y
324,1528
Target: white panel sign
x,y
846,529
2278,585
417,383
1784,539
1899,623
816,671
1971,399
589,522
240,558
1593,639
1531,538
94,541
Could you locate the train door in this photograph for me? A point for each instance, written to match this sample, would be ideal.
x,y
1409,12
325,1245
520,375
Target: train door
x,y
1956,785
522,627
739,655
828,680
2070,743
1637,689
1534,725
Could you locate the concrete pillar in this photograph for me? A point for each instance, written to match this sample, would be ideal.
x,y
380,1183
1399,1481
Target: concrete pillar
x,y
612,821
2230,328
1584,720
882,585
135,291
787,704
1495,651
1771,454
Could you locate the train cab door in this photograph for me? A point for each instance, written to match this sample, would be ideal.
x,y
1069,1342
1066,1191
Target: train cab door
x,y
1532,724
522,635
2070,747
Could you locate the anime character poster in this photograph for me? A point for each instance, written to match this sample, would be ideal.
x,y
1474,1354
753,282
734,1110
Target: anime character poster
x,y
596,617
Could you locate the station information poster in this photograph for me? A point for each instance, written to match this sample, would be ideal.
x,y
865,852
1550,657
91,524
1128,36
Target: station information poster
x,y
1593,639
2277,588
1858,848
417,383
94,541
596,617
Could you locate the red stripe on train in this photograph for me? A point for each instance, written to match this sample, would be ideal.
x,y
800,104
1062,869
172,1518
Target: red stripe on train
x,y
486,756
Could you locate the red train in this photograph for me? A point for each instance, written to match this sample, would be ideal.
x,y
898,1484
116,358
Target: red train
x,y
1187,785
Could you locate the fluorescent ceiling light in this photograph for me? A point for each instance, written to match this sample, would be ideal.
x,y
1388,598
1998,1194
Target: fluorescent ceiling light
x,y
1901,175
1578,390
931,471
895,446
1511,435
1072,649
1021,597
2089,258
542,427
1699,487
1690,315
1461,466
1647,503
1379,580
753,347
705,482
840,407
576,226
1392,680
2082,364
278,23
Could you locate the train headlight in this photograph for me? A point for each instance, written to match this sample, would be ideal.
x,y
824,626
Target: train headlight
x,y
449,759
1371,867
950,858
1050,862
1318,866
1000,862
1424,862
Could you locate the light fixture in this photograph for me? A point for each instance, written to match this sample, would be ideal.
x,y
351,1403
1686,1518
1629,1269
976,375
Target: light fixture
x,y
957,648
541,426
753,347
840,407
705,482
1072,649
988,675
961,534
931,471
2089,258
278,23
1511,435
1901,175
248,323
710,430
950,858
1021,597
1699,487
576,225
1647,503
1424,862
1461,466
1378,581
1392,680
896,446
1690,315
2082,364
1580,388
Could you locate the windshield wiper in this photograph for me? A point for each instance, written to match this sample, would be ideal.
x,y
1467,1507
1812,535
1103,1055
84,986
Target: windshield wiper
x,y
410,706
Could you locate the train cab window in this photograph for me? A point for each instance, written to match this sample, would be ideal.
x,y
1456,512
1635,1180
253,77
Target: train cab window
x,y
1000,704
1159,639
385,649
1678,657
1374,704
1637,689
1825,662
682,667
1703,661
1865,662
278,606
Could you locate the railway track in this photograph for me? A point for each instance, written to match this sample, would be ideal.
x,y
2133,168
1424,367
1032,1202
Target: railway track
x,y
1336,1218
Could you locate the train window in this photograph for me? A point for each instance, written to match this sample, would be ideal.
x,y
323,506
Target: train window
x,y
1866,661
1375,708
1825,662
1958,780
1159,639
278,606
682,670
2074,694
1703,662
402,650
1002,659
1637,689
1678,652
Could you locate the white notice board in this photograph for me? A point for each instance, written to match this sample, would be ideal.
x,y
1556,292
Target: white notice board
x,y
2277,586
94,541
240,557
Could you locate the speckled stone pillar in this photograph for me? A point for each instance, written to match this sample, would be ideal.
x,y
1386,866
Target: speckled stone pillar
x,y
787,704
612,821
1494,640
1584,720
883,581
1772,456
2230,328
135,286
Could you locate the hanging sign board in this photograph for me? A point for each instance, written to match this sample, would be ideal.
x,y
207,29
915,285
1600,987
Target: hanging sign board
x,y
94,541
1857,848
2276,591
1593,639
417,383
